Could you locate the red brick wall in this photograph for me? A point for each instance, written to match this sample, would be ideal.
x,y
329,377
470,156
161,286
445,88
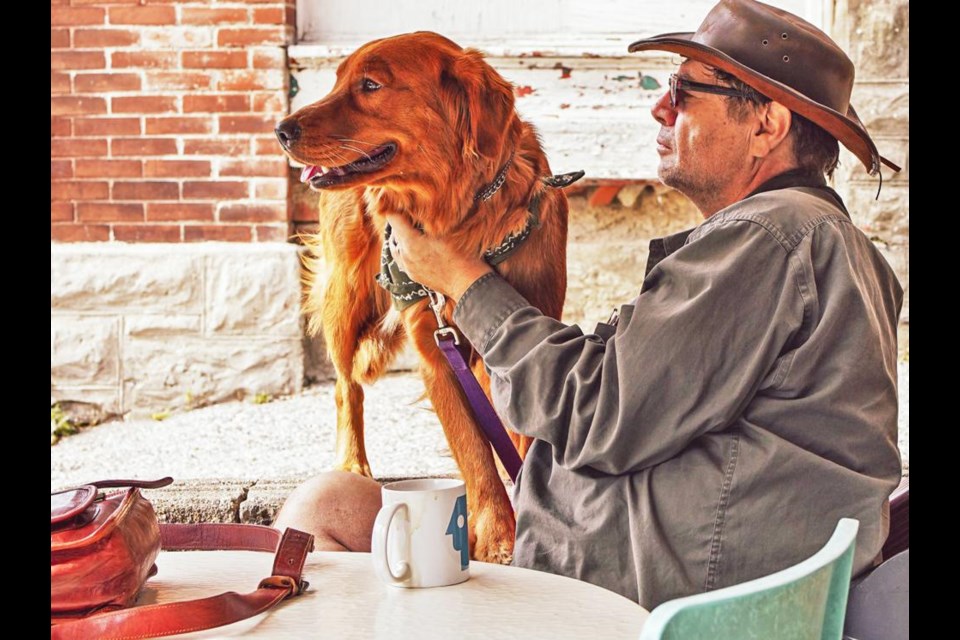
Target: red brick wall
x,y
162,116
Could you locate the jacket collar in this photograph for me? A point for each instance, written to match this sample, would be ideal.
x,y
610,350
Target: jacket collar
x,y
660,248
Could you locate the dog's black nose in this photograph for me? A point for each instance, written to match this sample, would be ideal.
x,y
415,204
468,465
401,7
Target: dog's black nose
x,y
288,132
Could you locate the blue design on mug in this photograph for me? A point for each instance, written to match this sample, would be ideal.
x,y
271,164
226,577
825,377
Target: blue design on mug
x,y
457,529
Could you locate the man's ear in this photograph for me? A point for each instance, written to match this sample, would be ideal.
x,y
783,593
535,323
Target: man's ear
x,y
481,103
773,126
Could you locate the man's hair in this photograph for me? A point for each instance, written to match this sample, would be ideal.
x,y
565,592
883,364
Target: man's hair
x,y
816,151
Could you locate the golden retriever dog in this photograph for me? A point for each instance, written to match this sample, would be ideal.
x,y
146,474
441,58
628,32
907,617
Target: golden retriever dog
x,y
419,126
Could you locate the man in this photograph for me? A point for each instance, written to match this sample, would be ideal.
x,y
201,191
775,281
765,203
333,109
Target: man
x,y
746,400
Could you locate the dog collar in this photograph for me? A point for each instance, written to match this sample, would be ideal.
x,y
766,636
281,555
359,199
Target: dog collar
x,y
513,241
487,192
406,292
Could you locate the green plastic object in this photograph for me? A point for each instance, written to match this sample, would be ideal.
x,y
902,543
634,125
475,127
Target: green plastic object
x,y
807,601
649,83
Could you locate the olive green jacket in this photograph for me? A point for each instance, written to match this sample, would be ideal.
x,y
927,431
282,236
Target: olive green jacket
x,y
744,403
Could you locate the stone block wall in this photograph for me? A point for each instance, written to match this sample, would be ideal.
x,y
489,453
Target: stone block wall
x,y
608,245
141,329
875,33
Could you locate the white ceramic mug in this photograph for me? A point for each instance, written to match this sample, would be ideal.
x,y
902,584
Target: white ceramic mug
x,y
420,535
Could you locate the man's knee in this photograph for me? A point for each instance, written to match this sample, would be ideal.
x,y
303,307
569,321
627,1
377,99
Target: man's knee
x,y
321,489
336,507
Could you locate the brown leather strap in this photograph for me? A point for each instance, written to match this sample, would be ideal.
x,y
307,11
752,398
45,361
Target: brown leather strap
x,y
218,537
143,484
165,620
292,554
195,615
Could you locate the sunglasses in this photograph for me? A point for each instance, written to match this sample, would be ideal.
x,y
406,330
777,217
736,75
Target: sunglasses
x,y
678,84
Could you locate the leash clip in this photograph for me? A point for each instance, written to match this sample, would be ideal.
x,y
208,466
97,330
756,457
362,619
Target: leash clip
x,y
437,302
446,331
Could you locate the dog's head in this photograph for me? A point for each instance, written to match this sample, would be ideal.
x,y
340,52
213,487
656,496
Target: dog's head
x,y
409,112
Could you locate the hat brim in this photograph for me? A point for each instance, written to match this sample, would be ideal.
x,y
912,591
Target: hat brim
x,y
846,128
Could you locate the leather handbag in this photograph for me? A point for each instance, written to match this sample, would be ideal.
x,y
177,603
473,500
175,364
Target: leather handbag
x,y
103,548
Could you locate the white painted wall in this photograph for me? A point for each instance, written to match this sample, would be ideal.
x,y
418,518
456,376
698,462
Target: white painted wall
x,y
568,27
596,119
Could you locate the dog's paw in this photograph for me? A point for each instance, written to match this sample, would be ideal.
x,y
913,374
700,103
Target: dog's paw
x,y
499,554
494,537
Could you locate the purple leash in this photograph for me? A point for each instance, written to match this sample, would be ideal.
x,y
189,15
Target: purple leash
x,y
447,339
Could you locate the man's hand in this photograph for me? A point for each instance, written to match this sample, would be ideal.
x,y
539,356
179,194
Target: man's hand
x,y
433,262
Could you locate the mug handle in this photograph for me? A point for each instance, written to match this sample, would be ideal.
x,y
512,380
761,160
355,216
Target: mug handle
x,y
381,530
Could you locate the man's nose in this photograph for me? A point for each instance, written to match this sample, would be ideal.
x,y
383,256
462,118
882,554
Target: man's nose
x,y
662,111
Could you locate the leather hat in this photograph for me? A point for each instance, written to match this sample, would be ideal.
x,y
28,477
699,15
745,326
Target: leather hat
x,y
785,58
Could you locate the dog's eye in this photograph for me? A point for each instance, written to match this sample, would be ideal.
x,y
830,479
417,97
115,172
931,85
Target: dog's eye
x,y
369,85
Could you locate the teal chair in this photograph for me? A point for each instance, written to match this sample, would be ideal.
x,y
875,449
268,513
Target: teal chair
x,y
804,602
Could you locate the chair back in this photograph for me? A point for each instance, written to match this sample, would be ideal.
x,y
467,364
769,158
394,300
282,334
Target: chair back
x,y
804,602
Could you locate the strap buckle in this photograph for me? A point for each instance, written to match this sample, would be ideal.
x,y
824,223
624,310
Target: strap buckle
x,y
285,583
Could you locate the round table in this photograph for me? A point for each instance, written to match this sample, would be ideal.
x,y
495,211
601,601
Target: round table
x,y
346,600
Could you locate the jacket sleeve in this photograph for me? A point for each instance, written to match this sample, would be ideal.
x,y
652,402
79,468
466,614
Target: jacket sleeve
x,y
704,335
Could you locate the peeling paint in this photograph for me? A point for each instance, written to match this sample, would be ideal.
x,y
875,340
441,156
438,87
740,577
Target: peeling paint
x,y
525,90
564,71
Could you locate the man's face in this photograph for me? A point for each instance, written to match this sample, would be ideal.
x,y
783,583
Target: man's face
x,y
703,149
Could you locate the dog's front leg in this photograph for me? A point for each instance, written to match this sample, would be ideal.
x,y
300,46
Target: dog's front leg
x,y
342,314
491,523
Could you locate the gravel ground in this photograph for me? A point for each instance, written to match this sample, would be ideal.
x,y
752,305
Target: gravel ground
x,y
287,438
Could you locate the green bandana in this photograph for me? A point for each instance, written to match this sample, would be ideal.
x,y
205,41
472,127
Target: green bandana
x,y
395,280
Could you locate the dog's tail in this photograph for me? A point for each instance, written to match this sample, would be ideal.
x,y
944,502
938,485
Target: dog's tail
x,y
314,274
377,347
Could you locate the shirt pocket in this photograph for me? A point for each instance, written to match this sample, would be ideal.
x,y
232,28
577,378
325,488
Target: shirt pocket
x,y
619,318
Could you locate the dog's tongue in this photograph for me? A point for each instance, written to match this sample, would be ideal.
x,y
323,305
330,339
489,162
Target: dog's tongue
x,y
308,172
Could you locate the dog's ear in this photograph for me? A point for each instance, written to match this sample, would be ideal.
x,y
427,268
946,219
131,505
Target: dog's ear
x,y
481,102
